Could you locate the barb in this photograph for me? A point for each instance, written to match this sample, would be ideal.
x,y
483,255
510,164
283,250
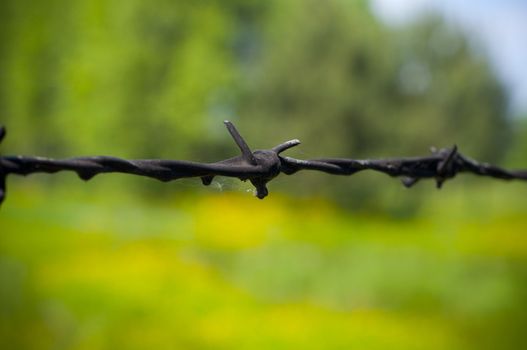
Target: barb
x,y
259,167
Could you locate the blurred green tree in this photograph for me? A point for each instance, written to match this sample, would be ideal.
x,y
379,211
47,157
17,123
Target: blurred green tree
x,y
333,76
155,79
141,79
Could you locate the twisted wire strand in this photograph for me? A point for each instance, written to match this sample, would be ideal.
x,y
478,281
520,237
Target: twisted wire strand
x,y
260,166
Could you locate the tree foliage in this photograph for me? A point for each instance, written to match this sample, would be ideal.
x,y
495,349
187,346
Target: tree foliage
x,y
155,79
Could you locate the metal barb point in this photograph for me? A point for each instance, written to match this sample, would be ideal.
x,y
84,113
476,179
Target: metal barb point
x,y
207,180
246,151
409,181
285,146
445,168
446,164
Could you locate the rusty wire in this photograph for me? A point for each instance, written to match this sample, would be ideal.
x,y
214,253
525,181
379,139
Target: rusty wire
x,y
259,167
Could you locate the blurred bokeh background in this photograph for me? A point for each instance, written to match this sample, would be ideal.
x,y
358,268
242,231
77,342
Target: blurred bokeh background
x,y
324,262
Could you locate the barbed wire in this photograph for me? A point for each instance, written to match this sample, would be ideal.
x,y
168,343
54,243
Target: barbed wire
x,y
259,167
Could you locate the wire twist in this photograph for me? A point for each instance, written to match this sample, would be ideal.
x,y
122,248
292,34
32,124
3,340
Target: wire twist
x,y
259,167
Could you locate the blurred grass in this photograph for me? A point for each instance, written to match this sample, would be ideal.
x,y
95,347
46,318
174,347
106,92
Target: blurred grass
x,y
90,268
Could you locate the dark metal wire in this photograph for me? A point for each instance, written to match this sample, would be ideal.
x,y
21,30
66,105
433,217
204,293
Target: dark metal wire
x,y
259,167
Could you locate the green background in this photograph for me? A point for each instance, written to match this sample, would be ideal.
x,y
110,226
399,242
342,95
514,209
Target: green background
x,y
323,262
